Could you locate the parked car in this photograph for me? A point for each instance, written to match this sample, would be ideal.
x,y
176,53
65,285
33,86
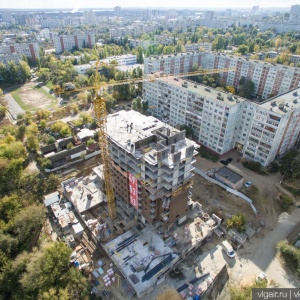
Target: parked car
x,y
224,162
228,160
248,184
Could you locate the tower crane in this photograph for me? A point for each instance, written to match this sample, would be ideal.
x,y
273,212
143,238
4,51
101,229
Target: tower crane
x,y
101,117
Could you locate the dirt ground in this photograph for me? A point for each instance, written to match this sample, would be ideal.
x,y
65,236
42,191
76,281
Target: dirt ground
x,y
214,199
259,254
34,98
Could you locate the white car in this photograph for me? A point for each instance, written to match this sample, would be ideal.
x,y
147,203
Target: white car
x,y
248,183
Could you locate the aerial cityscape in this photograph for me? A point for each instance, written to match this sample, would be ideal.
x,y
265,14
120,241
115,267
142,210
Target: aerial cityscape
x,y
149,151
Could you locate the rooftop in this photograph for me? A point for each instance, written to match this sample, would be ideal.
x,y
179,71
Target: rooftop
x,y
130,67
84,192
85,132
143,260
229,175
203,90
137,134
284,103
51,198
226,55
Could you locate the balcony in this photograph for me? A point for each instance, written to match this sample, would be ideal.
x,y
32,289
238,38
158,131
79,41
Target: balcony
x,y
166,185
167,178
152,215
153,210
151,168
153,203
134,166
150,174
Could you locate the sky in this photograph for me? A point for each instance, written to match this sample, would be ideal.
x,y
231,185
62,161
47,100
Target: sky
x,y
28,4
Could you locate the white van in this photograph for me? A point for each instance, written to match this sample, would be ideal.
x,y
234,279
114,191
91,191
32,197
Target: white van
x,y
228,249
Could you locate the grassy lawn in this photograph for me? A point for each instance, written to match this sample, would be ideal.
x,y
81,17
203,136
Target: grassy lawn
x,y
16,95
49,84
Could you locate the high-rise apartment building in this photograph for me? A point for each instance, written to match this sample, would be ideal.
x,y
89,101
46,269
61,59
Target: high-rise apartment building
x,y
74,41
28,49
197,47
89,16
269,78
152,164
117,11
222,121
295,12
6,16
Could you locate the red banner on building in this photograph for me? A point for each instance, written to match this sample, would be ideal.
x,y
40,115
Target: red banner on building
x,y
133,190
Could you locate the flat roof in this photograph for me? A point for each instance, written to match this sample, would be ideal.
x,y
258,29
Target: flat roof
x,y
283,103
51,198
229,175
85,132
203,90
156,57
140,260
143,127
84,193
129,67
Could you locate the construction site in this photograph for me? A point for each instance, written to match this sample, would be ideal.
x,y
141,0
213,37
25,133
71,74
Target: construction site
x,y
138,225
151,224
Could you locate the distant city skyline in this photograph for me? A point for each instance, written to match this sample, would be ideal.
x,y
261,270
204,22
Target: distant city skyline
x,y
75,5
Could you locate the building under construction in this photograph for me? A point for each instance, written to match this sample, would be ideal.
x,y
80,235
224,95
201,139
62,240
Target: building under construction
x,y
152,164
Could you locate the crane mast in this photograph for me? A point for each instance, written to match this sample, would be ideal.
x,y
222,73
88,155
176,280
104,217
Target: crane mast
x,y
101,117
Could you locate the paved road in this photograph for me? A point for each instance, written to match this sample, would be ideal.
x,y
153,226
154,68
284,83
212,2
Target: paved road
x,y
13,107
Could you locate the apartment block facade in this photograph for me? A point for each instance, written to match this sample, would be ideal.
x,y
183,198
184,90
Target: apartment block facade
x,y
197,47
7,58
222,121
28,49
269,79
68,42
152,164
122,60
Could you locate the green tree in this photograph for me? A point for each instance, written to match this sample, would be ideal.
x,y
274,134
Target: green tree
x,y
52,183
14,150
2,112
4,73
32,142
90,142
82,80
291,255
43,124
23,72
137,104
85,118
140,55
28,223
238,222
230,89
44,74
188,130
43,114
246,88
50,270
243,49
32,129
10,206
